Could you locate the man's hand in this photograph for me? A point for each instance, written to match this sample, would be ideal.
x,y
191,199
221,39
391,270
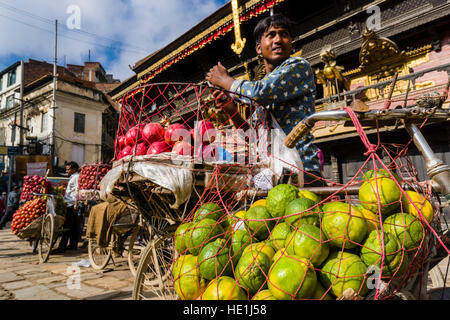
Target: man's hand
x,y
218,76
230,108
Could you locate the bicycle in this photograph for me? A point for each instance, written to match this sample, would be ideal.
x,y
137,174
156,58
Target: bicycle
x,y
127,226
51,229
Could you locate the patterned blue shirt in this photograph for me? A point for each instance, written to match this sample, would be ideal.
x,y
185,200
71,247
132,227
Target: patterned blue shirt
x,y
288,91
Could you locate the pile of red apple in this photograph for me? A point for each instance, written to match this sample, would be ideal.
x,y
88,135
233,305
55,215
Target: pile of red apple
x,y
32,184
27,213
91,175
154,139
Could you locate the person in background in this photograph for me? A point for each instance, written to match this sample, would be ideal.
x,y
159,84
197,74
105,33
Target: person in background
x,y
12,204
3,204
69,239
287,90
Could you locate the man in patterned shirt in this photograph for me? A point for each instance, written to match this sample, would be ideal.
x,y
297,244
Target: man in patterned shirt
x,y
287,90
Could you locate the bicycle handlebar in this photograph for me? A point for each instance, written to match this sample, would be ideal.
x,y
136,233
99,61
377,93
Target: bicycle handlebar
x,y
438,171
410,114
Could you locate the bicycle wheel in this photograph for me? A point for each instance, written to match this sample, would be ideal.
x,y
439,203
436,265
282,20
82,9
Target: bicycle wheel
x,y
98,256
153,278
136,248
46,240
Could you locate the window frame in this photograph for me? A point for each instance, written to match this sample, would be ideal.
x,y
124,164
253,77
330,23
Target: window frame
x,y
10,76
76,124
9,98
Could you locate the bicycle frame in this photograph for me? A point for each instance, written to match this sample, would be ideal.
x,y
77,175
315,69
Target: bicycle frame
x,y
437,170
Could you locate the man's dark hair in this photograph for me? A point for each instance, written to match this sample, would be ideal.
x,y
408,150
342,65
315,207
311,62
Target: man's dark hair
x,y
275,20
73,165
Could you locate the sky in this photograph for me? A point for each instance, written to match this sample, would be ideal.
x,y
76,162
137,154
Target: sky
x,y
118,33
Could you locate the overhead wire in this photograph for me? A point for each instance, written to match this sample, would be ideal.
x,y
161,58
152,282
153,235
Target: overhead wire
x,y
123,46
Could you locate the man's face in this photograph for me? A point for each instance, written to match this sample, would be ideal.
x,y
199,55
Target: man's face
x,y
275,45
69,170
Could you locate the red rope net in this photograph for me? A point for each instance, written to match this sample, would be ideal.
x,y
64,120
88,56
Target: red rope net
x,y
368,238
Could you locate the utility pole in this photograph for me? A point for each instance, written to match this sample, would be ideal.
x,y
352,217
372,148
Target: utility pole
x,y
22,74
54,91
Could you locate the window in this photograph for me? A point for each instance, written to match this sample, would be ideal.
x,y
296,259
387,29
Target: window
x,y
1,83
79,122
11,78
10,101
78,153
2,136
44,121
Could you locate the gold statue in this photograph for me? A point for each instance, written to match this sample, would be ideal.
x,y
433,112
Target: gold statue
x,y
331,77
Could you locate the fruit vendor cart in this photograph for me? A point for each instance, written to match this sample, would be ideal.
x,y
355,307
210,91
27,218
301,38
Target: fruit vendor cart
x,y
125,227
174,191
166,171
40,221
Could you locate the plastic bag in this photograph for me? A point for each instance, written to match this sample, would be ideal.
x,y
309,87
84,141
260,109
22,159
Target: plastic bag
x,y
284,157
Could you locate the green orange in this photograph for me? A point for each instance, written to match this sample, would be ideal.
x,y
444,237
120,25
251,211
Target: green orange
x,y
258,222
188,284
308,242
406,228
264,295
209,210
279,197
372,219
319,293
278,235
301,211
292,277
214,260
224,288
380,173
394,257
420,203
200,233
239,241
383,190
343,270
251,270
310,195
343,224
258,247
180,244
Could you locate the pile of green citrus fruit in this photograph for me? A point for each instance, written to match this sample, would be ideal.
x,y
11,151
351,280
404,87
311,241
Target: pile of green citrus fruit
x,y
295,245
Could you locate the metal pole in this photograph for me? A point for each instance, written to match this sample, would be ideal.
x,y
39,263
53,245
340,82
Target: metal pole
x,y
54,90
22,73
10,173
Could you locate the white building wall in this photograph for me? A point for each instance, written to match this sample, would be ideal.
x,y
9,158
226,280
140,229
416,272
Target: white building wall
x,y
6,90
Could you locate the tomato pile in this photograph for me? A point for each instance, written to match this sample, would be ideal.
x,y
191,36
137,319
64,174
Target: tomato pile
x,y
33,184
27,213
91,175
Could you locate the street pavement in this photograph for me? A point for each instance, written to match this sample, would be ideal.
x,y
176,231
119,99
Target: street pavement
x,y
22,277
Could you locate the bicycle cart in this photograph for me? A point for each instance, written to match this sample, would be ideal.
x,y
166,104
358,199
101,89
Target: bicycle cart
x,y
129,234
51,228
165,187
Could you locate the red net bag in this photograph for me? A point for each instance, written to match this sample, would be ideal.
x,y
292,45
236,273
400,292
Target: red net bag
x,y
368,239
27,214
89,180
34,184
